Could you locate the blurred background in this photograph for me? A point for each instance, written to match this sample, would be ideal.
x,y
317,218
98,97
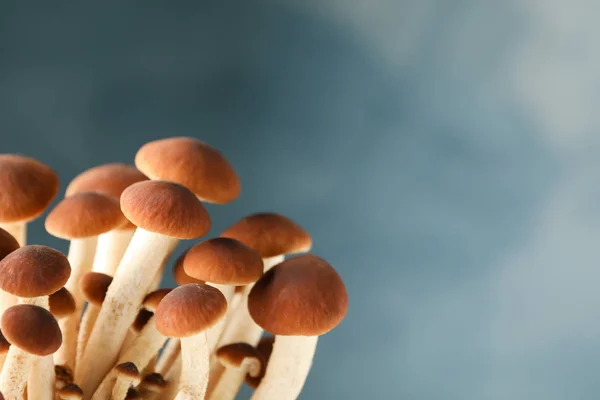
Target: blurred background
x,y
443,155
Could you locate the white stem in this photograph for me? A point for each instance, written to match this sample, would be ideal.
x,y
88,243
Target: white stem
x,y
104,390
41,301
134,275
144,347
40,385
7,300
214,334
168,356
194,368
67,352
13,377
121,387
18,230
2,360
173,378
81,257
229,384
110,250
288,368
87,323
151,365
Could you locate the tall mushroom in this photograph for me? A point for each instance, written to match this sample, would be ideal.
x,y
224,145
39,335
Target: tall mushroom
x,y
164,213
80,218
27,187
94,286
239,360
110,180
188,312
222,263
297,300
32,332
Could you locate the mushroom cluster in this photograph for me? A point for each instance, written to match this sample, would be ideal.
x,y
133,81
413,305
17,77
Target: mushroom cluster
x,y
249,306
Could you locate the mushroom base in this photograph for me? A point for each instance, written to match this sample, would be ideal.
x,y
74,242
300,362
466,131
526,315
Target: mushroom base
x,y
288,368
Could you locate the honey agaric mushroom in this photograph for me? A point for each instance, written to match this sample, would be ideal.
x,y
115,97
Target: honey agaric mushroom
x,y
32,331
61,303
265,348
94,286
297,300
273,236
164,213
110,180
239,360
127,375
188,312
222,263
193,164
27,187
70,392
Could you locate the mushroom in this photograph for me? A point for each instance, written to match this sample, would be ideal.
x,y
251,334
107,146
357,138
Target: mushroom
x,y
127,375
164,212
193,164
8,244
80,218
41,382
70,392
297,300
273,236
93,286
32,331
265,348
152,386
27,187
110,180
239,360
222,263
188,312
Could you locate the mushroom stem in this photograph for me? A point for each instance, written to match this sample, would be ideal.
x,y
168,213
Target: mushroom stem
x,y
194,367
168,356
144,346
67,353
41,301
288,368
6,300
173,379
134,275
81,258
40,385
122,385
110,249
87,323
214,334
15,372
229,384
18,230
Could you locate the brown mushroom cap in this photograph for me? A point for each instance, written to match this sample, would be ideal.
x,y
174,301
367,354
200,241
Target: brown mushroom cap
x,y
33,271
64,374
165,208
94,286
189,310
153,299
108,179
27,187
270,234
127,369
84,215
192,163
236,354
71,392
179,275
154,382
8,243
265,348
61,303
32,329
302,296
224,261
133,394
4,344
141,319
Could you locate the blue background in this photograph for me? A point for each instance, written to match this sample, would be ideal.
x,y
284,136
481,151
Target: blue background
x,y
442,154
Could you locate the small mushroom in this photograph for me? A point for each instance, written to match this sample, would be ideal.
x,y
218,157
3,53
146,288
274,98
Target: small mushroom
x,y
239,360
164,213
152,386
127,376
188,312
297,300
265,348
70,392
32,331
